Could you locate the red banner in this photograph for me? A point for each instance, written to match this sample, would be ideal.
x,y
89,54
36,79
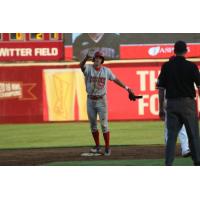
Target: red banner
x,y
155,51
27,92
142,80
21,94
33,51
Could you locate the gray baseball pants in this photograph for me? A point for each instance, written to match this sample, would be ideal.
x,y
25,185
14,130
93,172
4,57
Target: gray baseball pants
x,y
98,107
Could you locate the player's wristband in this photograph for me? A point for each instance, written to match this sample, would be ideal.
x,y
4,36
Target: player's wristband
x,y
126,88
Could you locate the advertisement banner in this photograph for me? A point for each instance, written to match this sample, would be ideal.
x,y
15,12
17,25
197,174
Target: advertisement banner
x,y
143,82
40,94
155,51
117,46
20,95
31,51
65,95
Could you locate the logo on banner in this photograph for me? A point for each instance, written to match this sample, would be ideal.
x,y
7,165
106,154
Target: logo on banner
x,y
21,91
154,51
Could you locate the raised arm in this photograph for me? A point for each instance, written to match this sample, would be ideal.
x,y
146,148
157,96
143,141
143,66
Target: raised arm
x,y
82,63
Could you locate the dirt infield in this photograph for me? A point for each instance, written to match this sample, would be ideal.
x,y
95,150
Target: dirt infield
x,y
30,157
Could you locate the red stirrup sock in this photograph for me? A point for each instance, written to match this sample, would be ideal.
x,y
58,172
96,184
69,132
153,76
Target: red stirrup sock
x,y
107,139
96,137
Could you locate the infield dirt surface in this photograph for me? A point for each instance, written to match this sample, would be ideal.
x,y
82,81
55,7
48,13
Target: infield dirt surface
x,y
41,156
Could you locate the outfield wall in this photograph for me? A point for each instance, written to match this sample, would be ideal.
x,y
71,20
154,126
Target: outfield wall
x,y
56,92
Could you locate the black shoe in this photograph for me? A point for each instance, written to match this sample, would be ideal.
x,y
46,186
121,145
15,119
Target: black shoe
x,y
186,155
196,163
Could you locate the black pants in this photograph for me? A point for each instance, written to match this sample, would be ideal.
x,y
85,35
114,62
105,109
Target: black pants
x,y
182,111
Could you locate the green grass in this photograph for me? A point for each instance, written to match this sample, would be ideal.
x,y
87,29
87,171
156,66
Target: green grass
x,y
77,134
146,162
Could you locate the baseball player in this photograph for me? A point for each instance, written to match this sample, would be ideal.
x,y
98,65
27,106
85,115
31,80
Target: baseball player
x,y
96,77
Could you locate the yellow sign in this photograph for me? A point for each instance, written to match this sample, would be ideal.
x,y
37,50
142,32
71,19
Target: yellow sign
x,y
63,88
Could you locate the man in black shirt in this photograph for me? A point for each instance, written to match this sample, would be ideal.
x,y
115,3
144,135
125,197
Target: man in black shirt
x,y
106,43
177,77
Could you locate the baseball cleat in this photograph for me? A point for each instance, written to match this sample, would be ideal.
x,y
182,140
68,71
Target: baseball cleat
x,y
95,150
107,152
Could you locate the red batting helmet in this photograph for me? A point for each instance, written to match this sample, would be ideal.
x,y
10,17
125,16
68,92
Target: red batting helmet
x,y
98,54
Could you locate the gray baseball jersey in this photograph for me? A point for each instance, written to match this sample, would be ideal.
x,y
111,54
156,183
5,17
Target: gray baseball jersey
x,y
96,81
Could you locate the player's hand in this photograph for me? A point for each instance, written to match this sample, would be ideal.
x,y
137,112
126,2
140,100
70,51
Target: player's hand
x,y
88,57
162,114
131,95
90,54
